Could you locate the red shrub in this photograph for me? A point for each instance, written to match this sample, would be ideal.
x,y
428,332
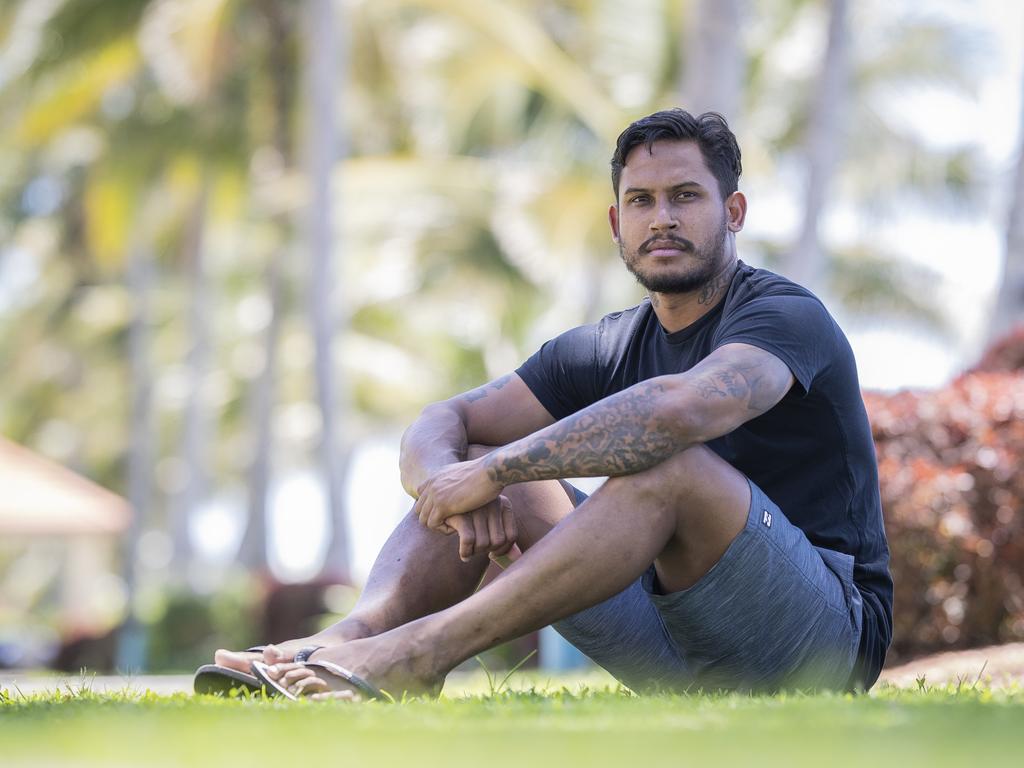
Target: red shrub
x,y
953,494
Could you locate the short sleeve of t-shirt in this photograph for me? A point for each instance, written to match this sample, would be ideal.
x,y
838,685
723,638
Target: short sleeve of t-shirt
x,y
563,373
795,328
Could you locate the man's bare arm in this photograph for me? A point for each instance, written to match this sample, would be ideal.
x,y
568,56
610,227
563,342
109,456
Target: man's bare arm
x,y
496,413
623,434
642,426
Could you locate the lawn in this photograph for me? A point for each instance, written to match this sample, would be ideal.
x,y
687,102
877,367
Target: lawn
x,y
534,721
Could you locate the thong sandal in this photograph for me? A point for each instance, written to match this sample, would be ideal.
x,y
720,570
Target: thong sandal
x,y
217,680
359,684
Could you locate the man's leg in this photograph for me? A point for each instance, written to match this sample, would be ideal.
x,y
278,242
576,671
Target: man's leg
x,y
418,572
682,515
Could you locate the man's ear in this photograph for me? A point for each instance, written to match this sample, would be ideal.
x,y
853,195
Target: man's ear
x,y
735,211
613,220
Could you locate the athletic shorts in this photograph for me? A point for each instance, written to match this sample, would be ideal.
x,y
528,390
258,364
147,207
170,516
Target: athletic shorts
x,y
775,612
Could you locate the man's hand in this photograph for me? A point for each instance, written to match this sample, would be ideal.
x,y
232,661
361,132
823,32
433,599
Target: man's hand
x,y
491,529
455,490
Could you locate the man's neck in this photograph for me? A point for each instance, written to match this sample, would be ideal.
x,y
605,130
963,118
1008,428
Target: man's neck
x,y
676,311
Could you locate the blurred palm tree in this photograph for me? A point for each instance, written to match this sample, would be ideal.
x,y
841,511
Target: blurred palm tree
x,y
715,58
1008,311
842,123
823,147
473,188
148,81
324,69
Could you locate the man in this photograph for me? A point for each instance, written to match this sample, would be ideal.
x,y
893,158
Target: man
x,y
738,543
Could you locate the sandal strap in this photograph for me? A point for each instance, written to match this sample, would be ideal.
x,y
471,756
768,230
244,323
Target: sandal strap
x,y
302,655
361,684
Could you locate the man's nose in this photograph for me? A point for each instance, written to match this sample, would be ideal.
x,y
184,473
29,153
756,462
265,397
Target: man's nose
x,y
664,219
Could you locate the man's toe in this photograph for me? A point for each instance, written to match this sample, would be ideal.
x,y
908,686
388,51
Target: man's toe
x,y
309,685
294,675
238,660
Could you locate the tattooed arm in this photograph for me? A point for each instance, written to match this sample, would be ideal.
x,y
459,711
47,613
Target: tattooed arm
x,y
642,426
497,413
625,433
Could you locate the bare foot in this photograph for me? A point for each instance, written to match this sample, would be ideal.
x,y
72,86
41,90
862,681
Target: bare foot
x,y
342,632
386,661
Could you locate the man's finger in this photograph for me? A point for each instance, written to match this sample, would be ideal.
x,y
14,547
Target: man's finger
x,y
434,516
508,523
417,507
467,535
483,538
495,529
426,507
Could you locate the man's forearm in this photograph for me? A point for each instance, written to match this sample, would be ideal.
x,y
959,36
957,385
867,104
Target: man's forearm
x,y
436,438
625,433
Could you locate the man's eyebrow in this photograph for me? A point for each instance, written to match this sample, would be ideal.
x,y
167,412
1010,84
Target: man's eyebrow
x,y
681,185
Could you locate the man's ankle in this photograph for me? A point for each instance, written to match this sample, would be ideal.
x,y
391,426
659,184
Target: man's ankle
x,y
349,628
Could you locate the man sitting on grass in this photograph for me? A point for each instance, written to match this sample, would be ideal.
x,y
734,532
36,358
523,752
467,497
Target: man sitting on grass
x,y
738,543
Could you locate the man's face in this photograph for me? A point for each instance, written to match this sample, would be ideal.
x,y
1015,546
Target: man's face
x,y
670,222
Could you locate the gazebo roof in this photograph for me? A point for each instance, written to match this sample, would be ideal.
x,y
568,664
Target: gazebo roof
x,y
39,497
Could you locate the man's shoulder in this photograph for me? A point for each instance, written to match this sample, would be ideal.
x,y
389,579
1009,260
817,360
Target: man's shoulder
x,y
756,282
755,288
623,317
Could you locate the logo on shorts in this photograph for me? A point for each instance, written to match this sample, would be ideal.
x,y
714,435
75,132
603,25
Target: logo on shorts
x,y
766,519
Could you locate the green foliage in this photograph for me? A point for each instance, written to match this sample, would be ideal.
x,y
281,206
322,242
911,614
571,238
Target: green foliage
x,y
191,627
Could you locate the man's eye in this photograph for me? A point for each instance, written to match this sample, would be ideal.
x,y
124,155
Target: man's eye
x,y
686,195
639,199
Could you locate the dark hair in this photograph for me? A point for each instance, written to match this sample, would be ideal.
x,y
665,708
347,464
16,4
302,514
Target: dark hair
x,y
710,131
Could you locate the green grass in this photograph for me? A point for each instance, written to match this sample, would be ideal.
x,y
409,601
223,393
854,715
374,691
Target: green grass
x,y
539,723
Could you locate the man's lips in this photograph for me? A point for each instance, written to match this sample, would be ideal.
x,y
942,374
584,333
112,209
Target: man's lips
x,y
665,247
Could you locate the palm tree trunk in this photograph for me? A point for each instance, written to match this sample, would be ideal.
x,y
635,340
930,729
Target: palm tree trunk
x,y
323,70
195,427
131,640
714,60
1009,309
805,263
254,551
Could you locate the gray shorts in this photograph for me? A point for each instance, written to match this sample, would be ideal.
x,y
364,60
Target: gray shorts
x,y
774,612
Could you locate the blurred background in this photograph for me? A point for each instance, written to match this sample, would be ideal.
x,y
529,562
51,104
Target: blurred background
x,y
243,242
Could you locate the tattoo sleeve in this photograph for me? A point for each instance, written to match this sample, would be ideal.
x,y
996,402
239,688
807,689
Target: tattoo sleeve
x,y
622,434
644,425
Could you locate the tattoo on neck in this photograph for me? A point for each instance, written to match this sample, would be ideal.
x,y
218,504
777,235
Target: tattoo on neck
x,y
715,285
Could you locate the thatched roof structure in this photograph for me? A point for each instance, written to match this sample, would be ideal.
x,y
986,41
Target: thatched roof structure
x,y
39,497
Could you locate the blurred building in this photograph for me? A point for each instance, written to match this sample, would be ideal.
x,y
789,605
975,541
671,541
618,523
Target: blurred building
x,y
58,539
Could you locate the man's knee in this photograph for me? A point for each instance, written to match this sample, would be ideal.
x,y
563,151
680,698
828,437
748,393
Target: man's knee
x,y
695,488
677,474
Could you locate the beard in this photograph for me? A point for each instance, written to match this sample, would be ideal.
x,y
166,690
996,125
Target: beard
x,y
706,261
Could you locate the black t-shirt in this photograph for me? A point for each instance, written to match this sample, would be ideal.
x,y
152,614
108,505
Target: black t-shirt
x,y
812,454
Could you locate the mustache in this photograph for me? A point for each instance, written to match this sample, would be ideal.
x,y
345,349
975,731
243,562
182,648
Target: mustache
x,y
682,242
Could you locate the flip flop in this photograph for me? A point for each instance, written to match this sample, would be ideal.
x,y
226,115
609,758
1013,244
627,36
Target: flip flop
x,y
216,680
361,685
